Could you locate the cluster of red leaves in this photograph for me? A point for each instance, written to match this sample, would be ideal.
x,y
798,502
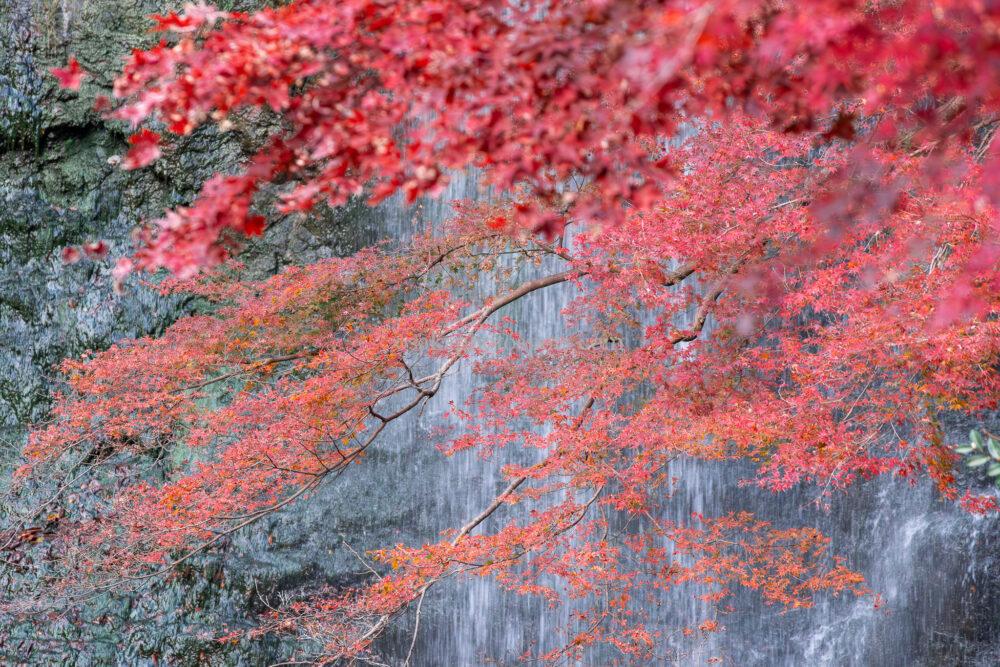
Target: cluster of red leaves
x,y
733,550
304,358
539,92
289,381
810,282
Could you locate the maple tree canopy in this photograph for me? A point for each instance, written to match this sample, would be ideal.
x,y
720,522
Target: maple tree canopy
x,y
808,281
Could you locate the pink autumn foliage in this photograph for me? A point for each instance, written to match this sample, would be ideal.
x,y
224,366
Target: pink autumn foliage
x,y
807,283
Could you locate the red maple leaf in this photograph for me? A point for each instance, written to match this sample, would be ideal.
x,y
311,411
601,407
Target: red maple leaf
x,y
70,76
96,249
70,255
254,225
173,22
145,148
191,19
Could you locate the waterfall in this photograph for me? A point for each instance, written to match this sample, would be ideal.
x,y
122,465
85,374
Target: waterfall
x,y
929,560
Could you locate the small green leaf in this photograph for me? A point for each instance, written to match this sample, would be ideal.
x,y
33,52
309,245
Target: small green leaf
x,y
994,448
993,470
965,449
977,461
977,440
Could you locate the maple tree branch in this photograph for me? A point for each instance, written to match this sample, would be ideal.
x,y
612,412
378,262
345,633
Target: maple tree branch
x,y
416,628
483,313
502,498
361,560
239,371
497,502
477,319
490,509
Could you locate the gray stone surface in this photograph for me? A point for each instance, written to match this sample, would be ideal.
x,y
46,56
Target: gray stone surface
x,y
59,185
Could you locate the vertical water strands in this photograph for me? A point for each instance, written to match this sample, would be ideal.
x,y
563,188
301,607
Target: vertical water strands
x,y
929,560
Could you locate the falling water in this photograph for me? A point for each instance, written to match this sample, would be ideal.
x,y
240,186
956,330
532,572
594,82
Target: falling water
x,y
929,561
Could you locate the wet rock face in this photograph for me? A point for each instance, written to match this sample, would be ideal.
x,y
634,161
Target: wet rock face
x,y
60,185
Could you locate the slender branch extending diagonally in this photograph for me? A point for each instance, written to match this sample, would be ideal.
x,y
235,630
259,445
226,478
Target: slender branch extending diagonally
x,y
476,320
698,325
505,494
425,387
247,369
